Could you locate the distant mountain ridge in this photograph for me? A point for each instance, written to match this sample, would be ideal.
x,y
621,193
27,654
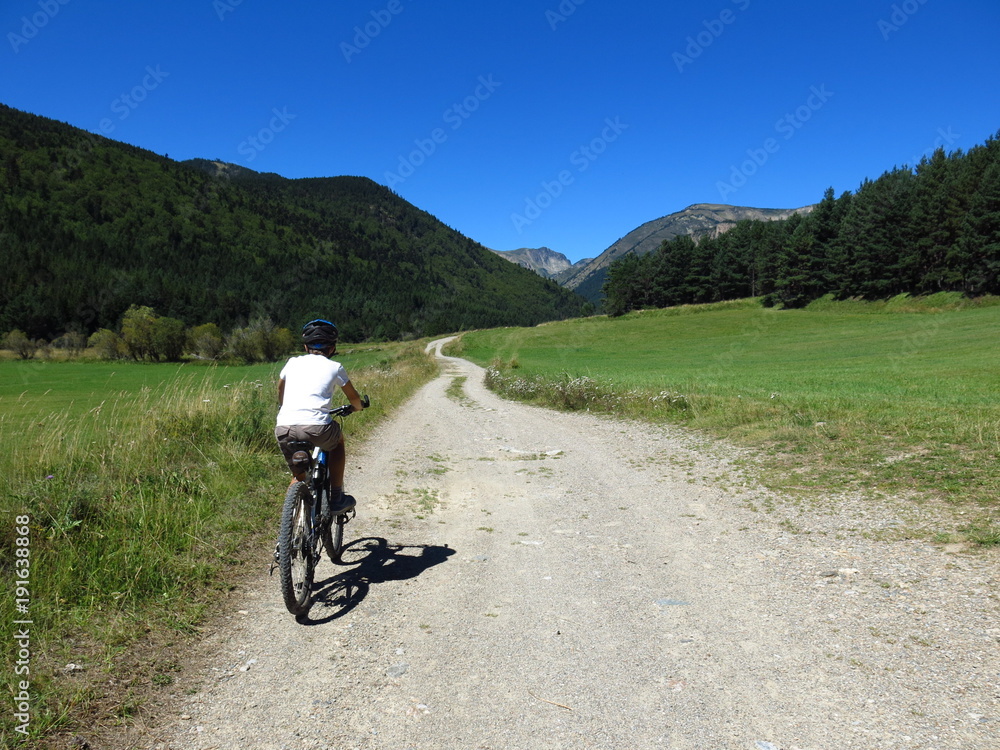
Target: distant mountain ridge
x,y
696,220
542,260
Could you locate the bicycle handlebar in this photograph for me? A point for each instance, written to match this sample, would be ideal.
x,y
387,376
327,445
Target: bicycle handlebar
x,y
343,411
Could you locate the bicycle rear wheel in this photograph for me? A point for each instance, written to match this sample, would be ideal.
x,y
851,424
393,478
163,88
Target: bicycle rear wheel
x,y
333,537
296,562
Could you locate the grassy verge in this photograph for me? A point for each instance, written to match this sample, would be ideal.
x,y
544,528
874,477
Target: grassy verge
x,y
137,490
896,397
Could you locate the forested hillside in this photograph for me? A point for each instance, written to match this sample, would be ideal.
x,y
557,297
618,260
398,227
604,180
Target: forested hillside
x,y
89,226
932,228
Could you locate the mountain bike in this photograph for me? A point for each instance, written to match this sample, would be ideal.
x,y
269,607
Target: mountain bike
x,y
307,526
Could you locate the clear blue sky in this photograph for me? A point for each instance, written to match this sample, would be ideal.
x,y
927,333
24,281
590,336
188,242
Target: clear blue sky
x,y
526,122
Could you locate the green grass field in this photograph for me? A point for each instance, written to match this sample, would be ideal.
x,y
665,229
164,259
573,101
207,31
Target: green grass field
x,y
147,489
898,398
41,388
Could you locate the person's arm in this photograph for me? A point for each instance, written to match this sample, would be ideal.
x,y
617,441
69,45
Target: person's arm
x,y
352,395
281,392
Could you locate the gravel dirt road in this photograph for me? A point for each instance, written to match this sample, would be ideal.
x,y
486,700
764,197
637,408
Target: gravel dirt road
x,y
523,578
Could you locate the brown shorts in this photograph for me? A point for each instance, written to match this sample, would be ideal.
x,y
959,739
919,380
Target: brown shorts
x,y
326,436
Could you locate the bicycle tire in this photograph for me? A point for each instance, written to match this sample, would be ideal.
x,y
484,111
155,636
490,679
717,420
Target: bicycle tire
x,y
333,538
296,562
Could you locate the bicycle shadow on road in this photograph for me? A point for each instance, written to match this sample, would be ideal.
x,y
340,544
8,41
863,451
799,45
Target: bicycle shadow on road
x,y
373,561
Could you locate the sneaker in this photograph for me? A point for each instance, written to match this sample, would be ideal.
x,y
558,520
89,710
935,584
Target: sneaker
x,y
345,504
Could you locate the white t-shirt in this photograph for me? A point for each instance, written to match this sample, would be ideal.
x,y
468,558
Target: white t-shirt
x,y
310,381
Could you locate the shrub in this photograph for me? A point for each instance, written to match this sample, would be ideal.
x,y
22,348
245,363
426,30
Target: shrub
x,y
108,344
19,343
73,342
137,331
169,338
585,394
260,342
205,341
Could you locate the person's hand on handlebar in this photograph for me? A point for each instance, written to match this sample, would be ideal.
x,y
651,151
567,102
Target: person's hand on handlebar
x,y
343,411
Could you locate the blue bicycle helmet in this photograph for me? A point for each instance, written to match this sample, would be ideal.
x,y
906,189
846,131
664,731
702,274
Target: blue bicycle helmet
x,y
319,334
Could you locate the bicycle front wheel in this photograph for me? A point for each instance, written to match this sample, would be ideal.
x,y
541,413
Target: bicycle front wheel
x,y
295,558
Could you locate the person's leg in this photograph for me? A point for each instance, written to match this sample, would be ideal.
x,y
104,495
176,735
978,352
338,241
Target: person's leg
x,y
330,438
338,462
339,501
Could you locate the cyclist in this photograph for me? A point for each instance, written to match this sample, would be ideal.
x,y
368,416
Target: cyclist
x,y
305,389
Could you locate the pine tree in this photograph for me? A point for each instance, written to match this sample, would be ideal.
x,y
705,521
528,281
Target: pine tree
x,y
805,263
933,226
626,286
698,284
734,273
976,255
872,236
768,241
671,264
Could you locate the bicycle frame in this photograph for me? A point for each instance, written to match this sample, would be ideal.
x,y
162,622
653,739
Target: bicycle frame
x,y
320,478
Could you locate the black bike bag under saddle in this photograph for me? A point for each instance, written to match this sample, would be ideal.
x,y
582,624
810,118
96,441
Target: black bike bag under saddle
x,y
301,454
